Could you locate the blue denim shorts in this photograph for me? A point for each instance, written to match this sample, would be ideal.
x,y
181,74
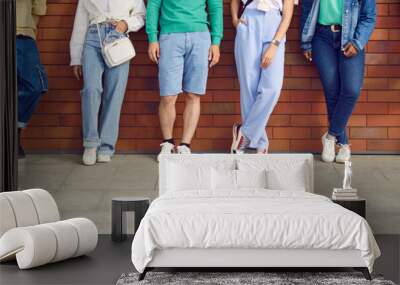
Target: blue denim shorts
x,y
183,64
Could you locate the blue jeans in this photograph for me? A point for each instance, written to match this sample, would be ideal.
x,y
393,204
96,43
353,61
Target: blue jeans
x,y
341,77
103,86
31,78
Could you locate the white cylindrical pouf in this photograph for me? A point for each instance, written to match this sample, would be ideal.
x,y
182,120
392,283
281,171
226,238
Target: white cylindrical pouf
x,y
45,205
7,218
23,207
87,234
67,240
34,246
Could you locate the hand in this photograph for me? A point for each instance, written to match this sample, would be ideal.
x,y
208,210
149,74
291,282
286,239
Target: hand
x,y
308,55
77,70
154,52
236,21
213,55
350,50
120,26
268,55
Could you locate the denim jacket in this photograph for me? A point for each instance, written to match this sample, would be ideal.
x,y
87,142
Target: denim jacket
x,y
358,22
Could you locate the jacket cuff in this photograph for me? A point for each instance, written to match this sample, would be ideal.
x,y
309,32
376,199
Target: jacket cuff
x,y
215,40
152,37
306,46
132,24
75,61
357,44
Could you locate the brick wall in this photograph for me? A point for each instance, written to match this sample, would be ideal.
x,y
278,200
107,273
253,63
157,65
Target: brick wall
x,y
296,125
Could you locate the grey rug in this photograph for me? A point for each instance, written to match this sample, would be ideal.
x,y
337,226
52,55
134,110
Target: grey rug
x,y
244,278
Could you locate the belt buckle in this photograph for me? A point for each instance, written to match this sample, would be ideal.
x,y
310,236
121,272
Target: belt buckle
x,y
333,29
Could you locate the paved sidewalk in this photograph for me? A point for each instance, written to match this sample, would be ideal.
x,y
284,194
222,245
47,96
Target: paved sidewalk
x,y
87,191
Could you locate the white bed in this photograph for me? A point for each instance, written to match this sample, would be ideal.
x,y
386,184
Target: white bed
x,y
219,210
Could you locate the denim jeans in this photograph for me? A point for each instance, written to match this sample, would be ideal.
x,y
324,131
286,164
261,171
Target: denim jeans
x,y
341,77
31,78
103,87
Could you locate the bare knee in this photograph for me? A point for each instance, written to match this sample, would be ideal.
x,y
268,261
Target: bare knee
x,y
168,101
192,98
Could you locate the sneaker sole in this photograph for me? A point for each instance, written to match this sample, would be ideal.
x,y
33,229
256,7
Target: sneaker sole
x,y
88,164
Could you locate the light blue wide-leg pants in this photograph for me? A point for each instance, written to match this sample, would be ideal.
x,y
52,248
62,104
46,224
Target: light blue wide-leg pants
x,y
259,88
103,92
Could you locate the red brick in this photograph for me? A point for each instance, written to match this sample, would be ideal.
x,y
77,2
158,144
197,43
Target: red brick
x,y
384,145
383,120
368,133
394,108
383,96
291,133
394,133
383,71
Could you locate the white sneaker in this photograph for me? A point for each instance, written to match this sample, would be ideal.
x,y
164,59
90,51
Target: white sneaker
x,y
89,156
166,148
328,152
103,158
183,149
344,153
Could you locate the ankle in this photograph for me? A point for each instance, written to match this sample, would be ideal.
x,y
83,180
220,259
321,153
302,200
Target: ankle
x,y
185,144
330,137
171,141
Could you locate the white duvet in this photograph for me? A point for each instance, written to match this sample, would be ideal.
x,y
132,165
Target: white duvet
x,y
250,219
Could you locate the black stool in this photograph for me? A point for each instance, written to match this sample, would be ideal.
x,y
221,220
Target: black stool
x,y
139,205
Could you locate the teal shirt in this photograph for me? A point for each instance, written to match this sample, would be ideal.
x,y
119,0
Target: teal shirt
x,y
184,16
330,12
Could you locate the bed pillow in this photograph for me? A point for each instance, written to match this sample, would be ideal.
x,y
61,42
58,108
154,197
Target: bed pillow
x,y
182,177
293,180
224,179
281,174
251,179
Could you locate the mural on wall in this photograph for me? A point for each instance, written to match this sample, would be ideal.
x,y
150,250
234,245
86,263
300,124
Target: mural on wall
x,y
297,123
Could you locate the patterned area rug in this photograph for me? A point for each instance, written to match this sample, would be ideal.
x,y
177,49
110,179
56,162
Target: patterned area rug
x,y
253,278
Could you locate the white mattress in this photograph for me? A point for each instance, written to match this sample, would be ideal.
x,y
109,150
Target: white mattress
x,y
252,219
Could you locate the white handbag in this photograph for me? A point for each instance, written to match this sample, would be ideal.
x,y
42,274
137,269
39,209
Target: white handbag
x,y
118,51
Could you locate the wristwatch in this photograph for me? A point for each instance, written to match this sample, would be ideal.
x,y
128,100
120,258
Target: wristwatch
x,y
276,43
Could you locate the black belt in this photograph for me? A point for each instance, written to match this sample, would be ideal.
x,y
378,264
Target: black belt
x,y
333,28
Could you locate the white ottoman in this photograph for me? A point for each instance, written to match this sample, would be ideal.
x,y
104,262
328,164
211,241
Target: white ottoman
x,y
31,233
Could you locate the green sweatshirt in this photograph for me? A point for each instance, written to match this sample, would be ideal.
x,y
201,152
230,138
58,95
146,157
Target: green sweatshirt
x,y
183,16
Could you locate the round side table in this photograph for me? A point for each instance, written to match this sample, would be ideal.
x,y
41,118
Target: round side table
x,y
139,205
